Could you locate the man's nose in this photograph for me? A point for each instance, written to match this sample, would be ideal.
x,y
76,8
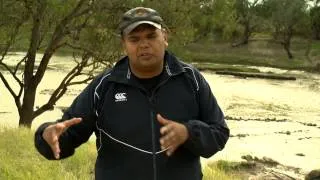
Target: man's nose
x,y
144,43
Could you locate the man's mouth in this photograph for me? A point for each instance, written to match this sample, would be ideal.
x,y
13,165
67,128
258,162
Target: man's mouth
x,y
145,55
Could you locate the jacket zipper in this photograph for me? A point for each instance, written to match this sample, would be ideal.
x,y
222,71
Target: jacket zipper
x,y
153,119
154,158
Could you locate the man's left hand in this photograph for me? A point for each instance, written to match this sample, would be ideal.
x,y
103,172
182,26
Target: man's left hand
x,y
173,134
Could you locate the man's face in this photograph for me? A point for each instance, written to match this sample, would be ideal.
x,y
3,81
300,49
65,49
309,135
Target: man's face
x,y
145,47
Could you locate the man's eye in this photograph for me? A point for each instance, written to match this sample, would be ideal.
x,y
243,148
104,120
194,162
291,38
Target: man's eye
x,y
152,36
133,39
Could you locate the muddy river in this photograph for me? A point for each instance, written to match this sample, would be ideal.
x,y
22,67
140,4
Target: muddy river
x,y
268,118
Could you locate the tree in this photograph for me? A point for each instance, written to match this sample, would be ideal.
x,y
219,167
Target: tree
x,y
87,29
178,16
246,17
84,27
215,17
285,15
315,20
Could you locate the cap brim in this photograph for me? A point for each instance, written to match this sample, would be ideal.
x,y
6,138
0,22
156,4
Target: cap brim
x,y
132,26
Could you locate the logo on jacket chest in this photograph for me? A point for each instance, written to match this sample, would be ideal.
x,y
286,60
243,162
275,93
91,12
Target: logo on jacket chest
x,y
119,97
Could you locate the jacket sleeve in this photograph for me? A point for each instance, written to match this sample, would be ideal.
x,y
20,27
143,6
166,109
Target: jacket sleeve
x,y
74,136
210,133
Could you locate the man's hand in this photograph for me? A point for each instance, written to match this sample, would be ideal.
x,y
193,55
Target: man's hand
x,y
173,134
52,133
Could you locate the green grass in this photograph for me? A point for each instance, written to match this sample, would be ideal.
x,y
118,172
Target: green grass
x,y
259,52
216,171
20,160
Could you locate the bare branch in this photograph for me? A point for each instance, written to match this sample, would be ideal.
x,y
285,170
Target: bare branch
x,y
12,73
83,12
62,88
12,38
35,39
78,48
6,83
82,82
58,35
82,25
18,65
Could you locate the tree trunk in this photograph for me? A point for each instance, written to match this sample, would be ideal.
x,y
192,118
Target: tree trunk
x,y
317,36
247,33
26,113
246,36
287,49
308,50
287,42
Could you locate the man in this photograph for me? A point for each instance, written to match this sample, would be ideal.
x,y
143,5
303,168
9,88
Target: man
x,y
153,115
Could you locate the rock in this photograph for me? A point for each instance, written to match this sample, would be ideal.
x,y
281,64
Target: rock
x,y
300,154
313,175
247,157
269,161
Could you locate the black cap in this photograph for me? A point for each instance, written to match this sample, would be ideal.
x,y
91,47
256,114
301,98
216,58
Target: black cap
x,y
139,15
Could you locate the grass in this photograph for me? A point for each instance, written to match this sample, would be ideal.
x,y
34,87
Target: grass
x,y
216,171
20,160
259,52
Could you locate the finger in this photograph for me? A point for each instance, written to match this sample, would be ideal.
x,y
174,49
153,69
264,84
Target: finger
x,y
54,144
56,150
165,129
71,122
162,120
171,150
59,129
168,140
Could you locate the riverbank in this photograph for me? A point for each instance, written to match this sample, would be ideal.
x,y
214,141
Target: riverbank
x,y
262,52
268,118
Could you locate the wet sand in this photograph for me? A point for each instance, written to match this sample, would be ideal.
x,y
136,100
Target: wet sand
x,y
270,118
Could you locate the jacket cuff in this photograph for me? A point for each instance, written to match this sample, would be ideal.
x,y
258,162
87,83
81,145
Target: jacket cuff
x,y
41,144
194,134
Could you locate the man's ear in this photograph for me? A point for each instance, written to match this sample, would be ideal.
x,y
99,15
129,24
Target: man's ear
x,y
165,36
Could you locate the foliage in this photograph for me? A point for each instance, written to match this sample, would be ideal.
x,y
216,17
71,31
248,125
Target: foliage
x,y
285,15
247,18
315,21
86,28
267,53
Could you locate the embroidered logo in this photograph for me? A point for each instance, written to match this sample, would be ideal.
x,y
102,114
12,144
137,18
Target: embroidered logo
x,y
120,97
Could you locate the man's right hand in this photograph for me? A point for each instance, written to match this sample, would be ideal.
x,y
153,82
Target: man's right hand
x,y
52,133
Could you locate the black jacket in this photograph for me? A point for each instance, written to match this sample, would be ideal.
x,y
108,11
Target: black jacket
x,y
123,116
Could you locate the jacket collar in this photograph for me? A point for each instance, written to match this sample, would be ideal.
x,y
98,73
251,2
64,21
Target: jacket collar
x,y
121,71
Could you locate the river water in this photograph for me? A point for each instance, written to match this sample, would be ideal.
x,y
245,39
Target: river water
x,y
271,118
267,118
